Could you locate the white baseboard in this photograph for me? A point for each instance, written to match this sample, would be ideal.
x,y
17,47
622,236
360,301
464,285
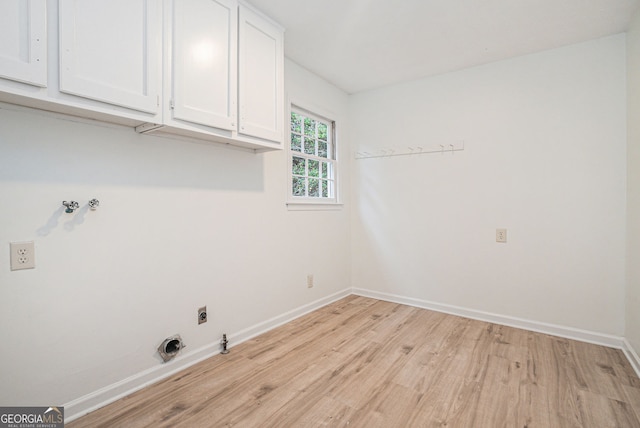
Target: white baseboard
x,y
111,393
93,401
263,327
632,356
540,327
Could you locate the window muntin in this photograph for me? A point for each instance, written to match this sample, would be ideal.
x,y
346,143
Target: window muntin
x,y
313,160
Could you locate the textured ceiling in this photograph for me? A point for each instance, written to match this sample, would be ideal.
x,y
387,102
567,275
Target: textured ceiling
x,y
364,44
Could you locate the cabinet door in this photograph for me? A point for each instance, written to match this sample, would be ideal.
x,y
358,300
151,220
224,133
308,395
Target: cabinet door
x,y
261,92
204,75
110,51
23,41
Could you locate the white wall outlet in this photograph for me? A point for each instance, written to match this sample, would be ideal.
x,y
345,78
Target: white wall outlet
x,y
202,315
23,255
309,281
501,235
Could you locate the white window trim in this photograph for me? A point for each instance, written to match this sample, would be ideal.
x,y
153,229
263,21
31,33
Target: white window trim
x,y
312,203
308,206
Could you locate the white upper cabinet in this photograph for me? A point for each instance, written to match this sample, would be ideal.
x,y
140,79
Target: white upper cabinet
x,y
110,51
261,77
223,74
206,69
204,50
23,41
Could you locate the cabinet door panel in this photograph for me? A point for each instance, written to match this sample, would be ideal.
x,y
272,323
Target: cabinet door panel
x,y
110,51
261,92
23,41
204,62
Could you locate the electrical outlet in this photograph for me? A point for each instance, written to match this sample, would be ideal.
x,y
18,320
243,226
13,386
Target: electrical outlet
x,y
23,255
501,235
309,281
202,315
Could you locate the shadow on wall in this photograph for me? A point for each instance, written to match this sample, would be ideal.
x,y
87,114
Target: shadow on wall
x,y
70,223
37,146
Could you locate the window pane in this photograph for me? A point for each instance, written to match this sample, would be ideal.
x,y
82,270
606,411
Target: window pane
x,y
296,123
298,166
298,186
322,149
309,127
312,157
314,187
322,131
296,143
314,167
309,146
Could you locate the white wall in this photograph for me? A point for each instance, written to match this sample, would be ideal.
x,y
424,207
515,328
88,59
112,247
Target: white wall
x,y
180,225
184,224
544,157
632,332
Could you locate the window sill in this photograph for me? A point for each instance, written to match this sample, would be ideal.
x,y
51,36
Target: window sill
x,y
313,206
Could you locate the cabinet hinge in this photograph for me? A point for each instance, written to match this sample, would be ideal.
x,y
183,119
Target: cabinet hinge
x,y
171,105
157,100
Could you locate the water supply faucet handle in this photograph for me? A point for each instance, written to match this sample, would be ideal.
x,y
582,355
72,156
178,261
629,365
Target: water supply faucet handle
x,y
71,206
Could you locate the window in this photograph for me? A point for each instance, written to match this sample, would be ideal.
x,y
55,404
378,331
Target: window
x,y
313,158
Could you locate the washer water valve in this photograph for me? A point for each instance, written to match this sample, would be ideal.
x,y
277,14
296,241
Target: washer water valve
x,y
71,206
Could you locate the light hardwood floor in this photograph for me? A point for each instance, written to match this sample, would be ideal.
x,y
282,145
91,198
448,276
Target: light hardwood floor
x,y
361,362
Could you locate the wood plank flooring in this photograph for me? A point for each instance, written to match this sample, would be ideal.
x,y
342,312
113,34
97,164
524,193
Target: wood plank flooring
x,y
361,362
